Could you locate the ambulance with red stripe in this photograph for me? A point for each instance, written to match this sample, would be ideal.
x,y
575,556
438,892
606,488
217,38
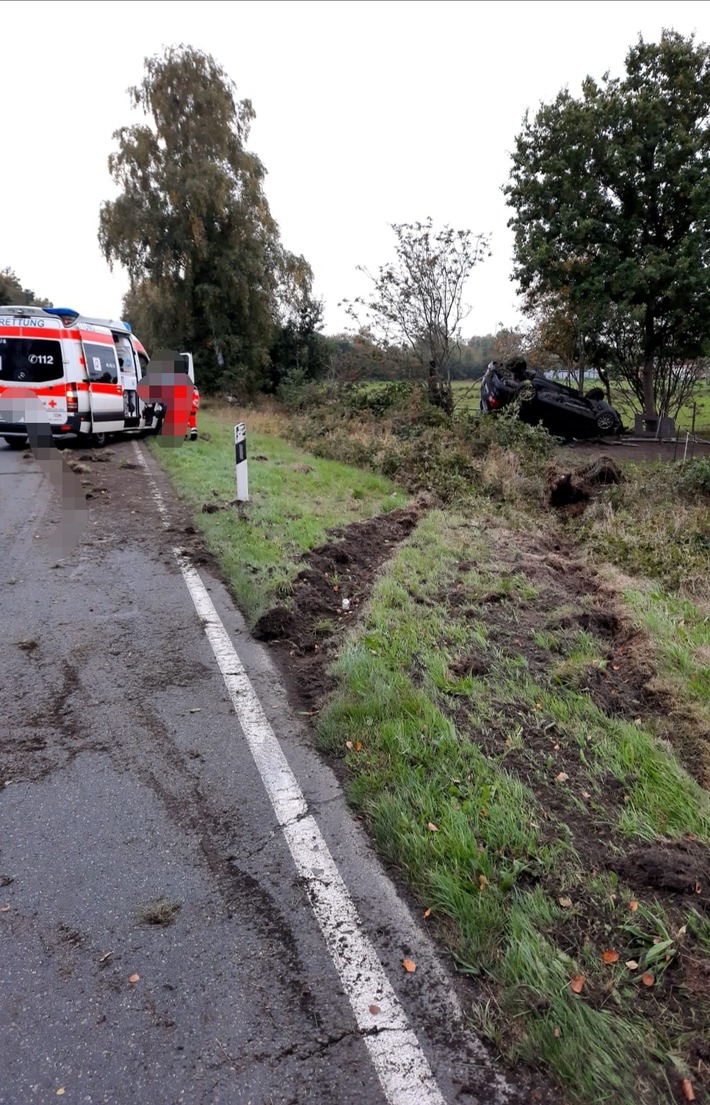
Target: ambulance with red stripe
x,y
84,371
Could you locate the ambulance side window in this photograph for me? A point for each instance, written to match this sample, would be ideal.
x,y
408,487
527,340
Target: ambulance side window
x,y
143,362
101,363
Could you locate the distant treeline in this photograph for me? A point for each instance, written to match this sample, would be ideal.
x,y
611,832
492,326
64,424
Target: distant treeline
x,y
356,357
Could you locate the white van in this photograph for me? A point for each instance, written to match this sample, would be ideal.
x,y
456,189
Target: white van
x,y
84,371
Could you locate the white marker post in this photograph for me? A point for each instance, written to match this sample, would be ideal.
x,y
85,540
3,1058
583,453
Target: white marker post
x,y
240,464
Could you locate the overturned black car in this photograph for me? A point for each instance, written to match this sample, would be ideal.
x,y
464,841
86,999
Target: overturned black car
x,y
561,410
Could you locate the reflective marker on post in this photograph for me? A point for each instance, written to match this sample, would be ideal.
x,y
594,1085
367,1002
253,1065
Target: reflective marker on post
x,y
240,462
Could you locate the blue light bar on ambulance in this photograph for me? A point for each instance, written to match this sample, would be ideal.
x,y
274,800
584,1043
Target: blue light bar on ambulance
x,y
66,314
127,325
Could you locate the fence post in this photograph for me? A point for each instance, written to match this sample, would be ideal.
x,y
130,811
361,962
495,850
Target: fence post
x,y
240,463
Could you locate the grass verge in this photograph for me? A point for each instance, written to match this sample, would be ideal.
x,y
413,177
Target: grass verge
x,y
510,801
295,498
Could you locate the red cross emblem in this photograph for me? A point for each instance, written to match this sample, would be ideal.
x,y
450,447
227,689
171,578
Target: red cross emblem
x,y
52,403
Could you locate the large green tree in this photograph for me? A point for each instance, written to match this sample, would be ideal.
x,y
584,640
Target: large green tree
x,y
610,194
192,224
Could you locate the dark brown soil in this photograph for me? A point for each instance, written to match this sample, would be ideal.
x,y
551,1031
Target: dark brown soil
x,y
572,490
681,867
328,593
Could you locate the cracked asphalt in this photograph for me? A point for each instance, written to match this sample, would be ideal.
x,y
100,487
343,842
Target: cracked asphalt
x,y
128,797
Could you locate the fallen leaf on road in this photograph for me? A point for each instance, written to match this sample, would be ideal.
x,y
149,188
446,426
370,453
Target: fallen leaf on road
x,y
409,965
565,901
610,956
577,983
60,1092
106,956
647,978
687,1089
4,909
133,978
374,1009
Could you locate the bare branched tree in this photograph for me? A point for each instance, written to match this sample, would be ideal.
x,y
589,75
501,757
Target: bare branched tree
x,y
417,300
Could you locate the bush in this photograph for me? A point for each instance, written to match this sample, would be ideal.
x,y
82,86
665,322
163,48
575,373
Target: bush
x,y
505,430
694,478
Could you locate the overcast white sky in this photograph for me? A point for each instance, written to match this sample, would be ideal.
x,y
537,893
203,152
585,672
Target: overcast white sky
x,y
368,112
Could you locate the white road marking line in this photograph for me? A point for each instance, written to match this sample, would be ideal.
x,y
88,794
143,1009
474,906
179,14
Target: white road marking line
x,y
402,1068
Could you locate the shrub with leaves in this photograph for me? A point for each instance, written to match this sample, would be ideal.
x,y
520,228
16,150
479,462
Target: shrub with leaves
x,y
694,479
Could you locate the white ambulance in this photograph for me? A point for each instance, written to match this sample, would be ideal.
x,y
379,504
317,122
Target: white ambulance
x,y
84,371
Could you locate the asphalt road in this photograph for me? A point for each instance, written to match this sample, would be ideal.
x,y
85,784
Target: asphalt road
x,y
125,780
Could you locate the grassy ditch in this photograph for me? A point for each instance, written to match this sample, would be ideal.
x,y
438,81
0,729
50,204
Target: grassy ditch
x,y
295,499
522,706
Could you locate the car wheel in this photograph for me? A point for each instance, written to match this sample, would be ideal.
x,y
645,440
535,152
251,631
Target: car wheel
x,y
99,440
606,422
16,442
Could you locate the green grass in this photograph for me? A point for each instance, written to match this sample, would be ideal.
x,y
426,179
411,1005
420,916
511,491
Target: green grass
x,y
469,829
295,499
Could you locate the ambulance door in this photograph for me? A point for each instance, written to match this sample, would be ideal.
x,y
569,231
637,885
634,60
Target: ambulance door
x,y
105,388
129,381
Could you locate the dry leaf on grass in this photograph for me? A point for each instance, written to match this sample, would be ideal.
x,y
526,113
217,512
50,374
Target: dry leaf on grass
x,y
632,964
409,965
647,978
633,905
565,901
562,777
687,1089
610,956
426,912
577,983
432,827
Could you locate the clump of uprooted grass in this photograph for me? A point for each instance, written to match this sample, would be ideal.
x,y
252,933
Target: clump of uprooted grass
x,y
485,777
160,912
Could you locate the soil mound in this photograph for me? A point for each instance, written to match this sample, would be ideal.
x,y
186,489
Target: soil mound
x,y
574,489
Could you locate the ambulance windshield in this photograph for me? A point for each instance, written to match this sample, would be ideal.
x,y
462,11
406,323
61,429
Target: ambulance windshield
x,y
30,360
